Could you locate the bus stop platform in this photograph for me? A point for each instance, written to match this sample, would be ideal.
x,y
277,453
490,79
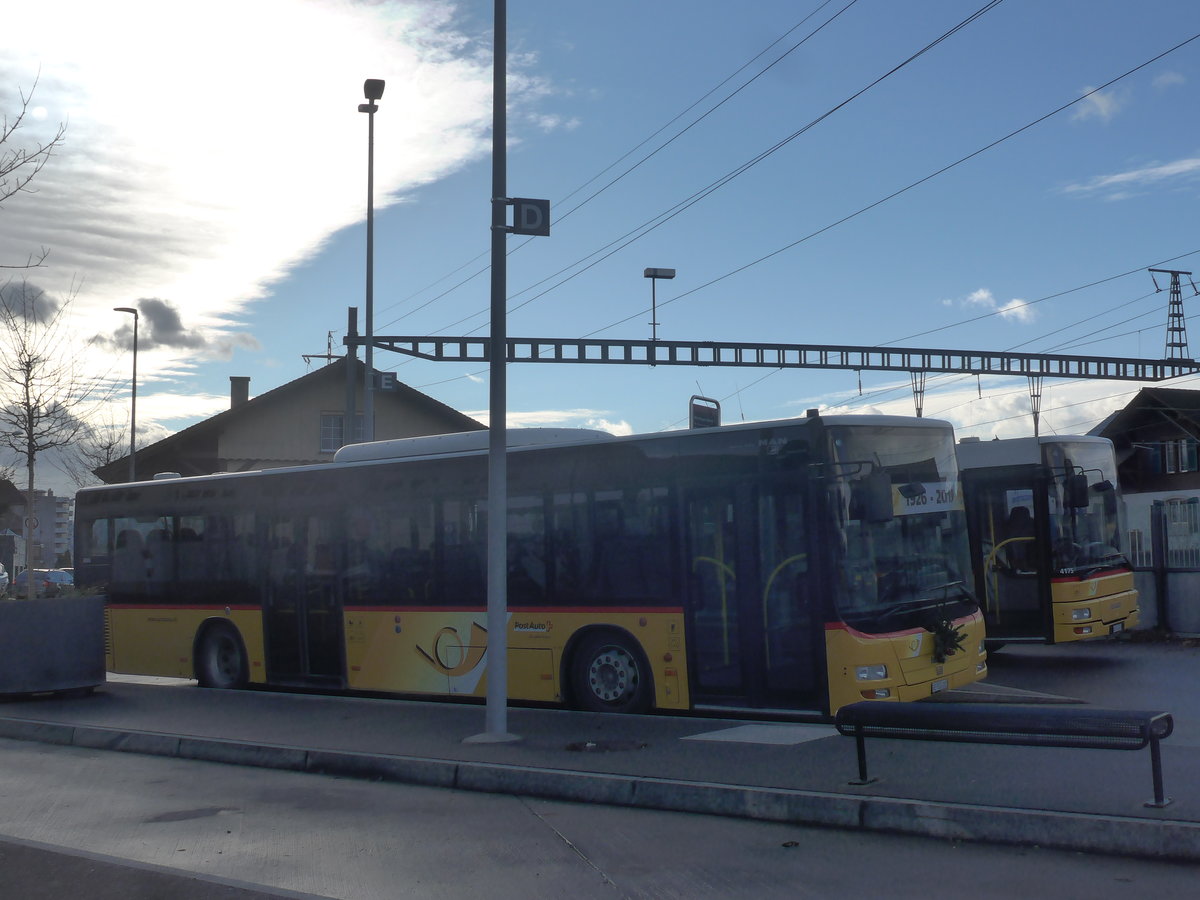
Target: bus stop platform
x,y
1085,800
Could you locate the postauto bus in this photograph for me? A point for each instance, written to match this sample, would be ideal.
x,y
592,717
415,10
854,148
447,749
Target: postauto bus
x,y
1046,527
794,565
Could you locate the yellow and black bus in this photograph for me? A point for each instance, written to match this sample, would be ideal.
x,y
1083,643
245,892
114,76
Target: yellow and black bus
x,y
1046,526
794,565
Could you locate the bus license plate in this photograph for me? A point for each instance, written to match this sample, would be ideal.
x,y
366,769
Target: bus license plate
x,y
941,684
1117,627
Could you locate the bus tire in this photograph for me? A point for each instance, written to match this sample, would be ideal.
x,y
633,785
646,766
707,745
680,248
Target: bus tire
x,y
221,659
609,673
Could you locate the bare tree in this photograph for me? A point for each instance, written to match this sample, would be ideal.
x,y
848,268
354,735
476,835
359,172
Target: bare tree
x,y
99,443
20,164
45,397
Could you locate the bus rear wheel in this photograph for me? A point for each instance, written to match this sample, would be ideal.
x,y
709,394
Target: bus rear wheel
x,y
609,673
220,659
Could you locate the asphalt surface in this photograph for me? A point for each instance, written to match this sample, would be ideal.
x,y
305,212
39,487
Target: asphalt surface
x,y
1088,800
33,871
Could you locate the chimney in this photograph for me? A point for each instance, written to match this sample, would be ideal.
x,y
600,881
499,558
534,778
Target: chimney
x,y
239,390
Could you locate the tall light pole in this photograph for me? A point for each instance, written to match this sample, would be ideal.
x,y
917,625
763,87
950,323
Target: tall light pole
x,y
132,395
372,90
654,275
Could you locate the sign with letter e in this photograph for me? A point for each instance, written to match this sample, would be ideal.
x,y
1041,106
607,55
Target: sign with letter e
x,y
530,216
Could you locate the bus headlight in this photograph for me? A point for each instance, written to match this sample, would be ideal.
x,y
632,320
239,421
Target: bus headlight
x,y
876,694
870,673
1078,615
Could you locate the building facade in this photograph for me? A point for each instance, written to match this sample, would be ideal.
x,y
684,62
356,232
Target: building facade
x,y
298,423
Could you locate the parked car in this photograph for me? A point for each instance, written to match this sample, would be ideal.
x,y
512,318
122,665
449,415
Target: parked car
x,y
47,582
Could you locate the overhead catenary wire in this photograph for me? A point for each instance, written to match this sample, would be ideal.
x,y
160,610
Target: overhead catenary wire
x,y
560,217
962,160
614,246
907,188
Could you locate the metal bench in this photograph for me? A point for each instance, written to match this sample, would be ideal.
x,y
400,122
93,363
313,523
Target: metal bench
x,y
1003,723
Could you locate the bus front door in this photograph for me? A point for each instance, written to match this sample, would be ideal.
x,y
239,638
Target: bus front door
x,y
302,616
753,636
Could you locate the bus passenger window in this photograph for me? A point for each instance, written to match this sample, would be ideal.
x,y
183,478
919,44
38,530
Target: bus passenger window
x,y
129,563
527,570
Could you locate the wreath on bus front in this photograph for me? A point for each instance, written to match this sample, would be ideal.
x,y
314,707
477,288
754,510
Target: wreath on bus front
x,y
947,638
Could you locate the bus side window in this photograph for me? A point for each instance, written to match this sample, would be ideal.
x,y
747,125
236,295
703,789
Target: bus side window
x,y
571,542
128,561
527,561
460,552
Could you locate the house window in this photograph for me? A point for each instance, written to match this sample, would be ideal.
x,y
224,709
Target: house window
x,y
1180,456
331,431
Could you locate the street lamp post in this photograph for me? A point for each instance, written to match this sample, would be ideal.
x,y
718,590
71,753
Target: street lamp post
x,y
372,90
654,275
132,395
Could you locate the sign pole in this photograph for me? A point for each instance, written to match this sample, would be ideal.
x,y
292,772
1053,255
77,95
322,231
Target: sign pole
x,y
497,520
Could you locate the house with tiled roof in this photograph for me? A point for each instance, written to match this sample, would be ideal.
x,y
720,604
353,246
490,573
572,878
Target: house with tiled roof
x,y
298,423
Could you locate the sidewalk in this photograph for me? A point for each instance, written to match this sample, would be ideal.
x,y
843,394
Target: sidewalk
x,y
1090,800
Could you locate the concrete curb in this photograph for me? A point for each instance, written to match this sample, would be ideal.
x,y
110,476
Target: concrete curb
x,y
1114,835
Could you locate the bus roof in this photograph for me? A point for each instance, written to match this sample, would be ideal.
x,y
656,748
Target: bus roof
x,y
476,442
464,442
974,453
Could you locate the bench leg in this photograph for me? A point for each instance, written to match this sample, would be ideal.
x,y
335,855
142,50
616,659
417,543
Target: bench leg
x,y
860,744
1159,800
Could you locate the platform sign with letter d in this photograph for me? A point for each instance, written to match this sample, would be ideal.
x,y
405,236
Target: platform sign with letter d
x,y
530,216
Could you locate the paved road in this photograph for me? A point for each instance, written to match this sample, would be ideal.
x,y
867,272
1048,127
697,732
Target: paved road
x,y
769,775
131,826
1123,674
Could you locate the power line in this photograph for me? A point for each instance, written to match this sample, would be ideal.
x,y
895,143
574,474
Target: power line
x,y
635,234
559,217
907,188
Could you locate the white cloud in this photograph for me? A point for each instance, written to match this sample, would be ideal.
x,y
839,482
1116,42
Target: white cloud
x,y
595,419
201,170
1017,310
1068,406
1014,310
982,297
1102,105
1126,184
1169,80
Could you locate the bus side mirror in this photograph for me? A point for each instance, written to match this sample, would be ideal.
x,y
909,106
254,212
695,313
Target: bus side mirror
x,y
871,498
1076,490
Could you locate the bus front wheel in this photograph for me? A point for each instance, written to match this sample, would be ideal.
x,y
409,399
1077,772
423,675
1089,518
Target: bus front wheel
x,y
220,659
609,673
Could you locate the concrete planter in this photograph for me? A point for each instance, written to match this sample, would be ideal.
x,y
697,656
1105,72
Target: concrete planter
x,y
52,644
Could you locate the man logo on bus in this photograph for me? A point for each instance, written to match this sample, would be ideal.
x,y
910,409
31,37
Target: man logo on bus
x,y
452,656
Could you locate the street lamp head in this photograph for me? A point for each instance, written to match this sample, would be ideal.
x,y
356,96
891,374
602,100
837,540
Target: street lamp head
x,y
659,273
128,309
373,88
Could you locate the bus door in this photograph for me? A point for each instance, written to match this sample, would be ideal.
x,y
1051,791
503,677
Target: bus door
x,y
1008,537
753,635
302,612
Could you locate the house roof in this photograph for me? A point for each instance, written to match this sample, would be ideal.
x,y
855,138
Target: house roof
x,y
211,428
1184,405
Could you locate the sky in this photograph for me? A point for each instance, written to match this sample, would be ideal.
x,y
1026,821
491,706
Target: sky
x,y
915,173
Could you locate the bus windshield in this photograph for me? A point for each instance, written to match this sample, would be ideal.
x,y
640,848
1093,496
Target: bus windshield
x,y
904,557
1085,527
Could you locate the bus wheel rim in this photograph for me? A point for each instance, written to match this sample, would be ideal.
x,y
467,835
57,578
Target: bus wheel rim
x,y
225,656
612,674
